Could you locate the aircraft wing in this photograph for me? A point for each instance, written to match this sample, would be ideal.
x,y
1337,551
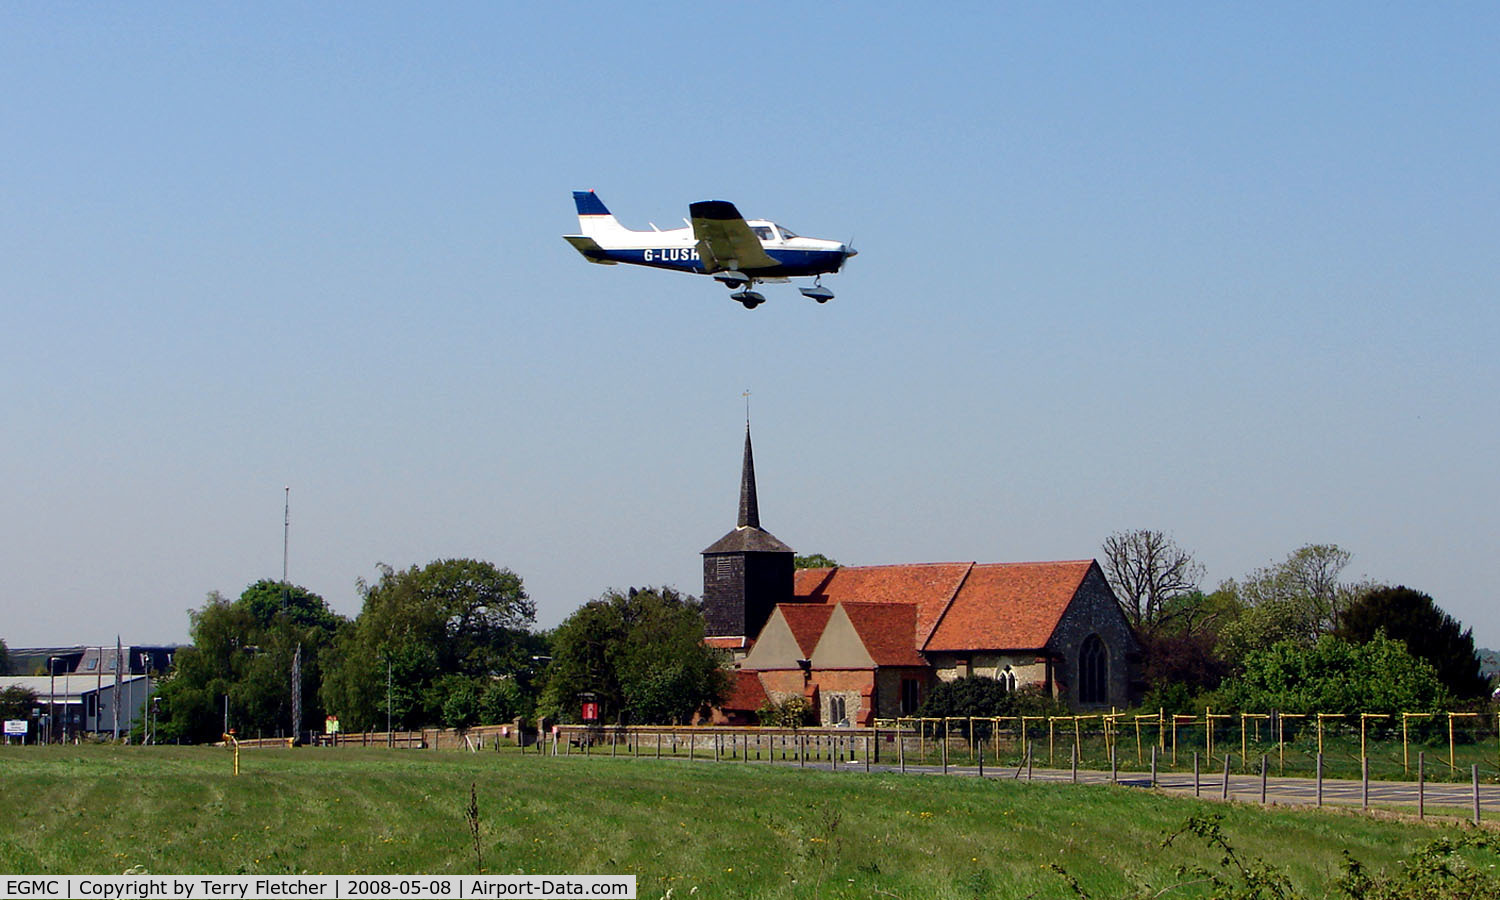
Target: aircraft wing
x,y
724,240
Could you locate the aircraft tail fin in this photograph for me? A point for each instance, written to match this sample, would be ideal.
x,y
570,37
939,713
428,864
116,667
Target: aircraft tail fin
x,y
594,218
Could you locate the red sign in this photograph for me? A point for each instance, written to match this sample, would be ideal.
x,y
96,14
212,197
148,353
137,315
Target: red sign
x,y
590,711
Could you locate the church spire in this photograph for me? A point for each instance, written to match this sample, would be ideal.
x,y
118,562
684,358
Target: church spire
x,y
749,505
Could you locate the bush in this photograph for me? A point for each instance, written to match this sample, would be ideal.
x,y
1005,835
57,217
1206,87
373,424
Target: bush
x,y
792,712
987,698
1335,676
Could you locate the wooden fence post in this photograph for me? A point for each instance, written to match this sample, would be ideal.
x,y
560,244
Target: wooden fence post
x,y
1421,783
1320,778
1262,779
1475,770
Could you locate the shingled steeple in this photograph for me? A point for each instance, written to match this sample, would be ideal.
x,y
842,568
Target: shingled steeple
x,y
749,505
747,571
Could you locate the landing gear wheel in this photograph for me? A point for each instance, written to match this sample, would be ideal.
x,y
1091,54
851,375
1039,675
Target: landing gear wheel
x,y
750,299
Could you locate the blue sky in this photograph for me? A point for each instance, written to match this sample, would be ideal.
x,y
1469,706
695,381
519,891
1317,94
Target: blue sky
x,y
1225,271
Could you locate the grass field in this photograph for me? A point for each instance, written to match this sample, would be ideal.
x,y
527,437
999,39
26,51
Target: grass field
x,y
726,830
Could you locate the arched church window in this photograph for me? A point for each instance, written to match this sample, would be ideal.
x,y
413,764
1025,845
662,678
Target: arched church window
x,y
1093,671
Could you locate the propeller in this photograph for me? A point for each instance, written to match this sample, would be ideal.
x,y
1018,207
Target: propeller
x,y
848,252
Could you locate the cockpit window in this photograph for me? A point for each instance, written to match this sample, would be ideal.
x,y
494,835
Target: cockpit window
x,y
786,233
763,232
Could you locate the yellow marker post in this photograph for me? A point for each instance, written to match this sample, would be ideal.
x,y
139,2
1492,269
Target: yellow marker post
x,y
1138,718
232,741
1177,719
1025,730
1208,718
1051,731
1244,748
1363,718
1451,717
1321,717
1161,721
1405,745
1111,733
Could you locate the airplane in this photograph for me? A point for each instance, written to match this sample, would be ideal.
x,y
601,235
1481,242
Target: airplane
x,y
718,241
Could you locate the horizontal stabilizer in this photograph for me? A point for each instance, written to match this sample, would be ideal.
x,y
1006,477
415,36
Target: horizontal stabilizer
x,y
589,248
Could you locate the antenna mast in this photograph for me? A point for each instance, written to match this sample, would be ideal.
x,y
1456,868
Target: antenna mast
x,y
286,530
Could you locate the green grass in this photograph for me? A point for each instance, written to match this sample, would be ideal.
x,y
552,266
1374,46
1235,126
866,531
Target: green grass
x,y
730,830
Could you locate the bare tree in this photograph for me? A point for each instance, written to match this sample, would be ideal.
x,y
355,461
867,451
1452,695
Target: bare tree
x,y
1147,571
1307,584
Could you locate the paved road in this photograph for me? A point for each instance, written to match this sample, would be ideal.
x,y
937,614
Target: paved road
x,y
1447,797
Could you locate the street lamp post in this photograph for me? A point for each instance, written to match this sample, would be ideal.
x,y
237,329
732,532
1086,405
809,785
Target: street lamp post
x,y
51,697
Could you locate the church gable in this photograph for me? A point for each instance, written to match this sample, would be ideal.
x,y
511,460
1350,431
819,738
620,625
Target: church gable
x,y
840,647
789,637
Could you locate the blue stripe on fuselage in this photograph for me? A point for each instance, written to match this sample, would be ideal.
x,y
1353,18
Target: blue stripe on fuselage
x,y
790,263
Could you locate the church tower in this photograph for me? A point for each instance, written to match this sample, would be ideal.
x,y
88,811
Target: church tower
x,y
747,571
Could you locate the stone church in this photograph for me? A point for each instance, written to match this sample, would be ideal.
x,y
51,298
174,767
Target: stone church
x,y
866,642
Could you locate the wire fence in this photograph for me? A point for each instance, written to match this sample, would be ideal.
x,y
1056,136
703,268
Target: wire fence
x,y
1453,742
1382,747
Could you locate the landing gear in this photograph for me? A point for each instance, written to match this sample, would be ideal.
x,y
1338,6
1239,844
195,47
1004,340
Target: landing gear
x,y
817,291
750,298
732,278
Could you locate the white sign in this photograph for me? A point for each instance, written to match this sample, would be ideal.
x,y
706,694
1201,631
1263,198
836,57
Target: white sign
x,y
16,727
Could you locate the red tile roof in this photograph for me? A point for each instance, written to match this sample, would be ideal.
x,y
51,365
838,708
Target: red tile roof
x,y
746,693
807,622
727,643
888,631
928,586
1008,606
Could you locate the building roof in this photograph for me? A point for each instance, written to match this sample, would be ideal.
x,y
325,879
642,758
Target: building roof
x,y
928,586
958,606
728,643
746,693
66,688
1008,606
748,540
807,622
888,631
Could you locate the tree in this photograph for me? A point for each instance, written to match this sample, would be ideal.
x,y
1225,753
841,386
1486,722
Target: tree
x,y
1415,619
243,650
1307,580
4,658
1150,575
641,654
814,561
1299,599
17,702
419,626
1335,676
